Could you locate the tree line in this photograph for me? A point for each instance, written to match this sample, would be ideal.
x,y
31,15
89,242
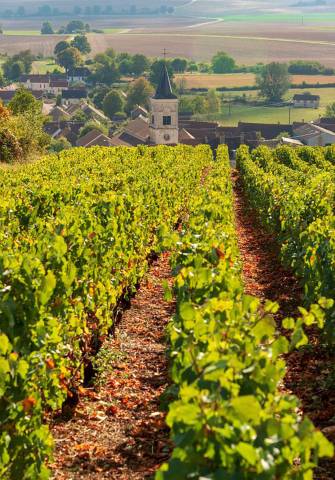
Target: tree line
x,y
49,10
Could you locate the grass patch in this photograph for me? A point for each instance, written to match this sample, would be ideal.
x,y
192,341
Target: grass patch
x,y
45,66
282,18
112,31
262,114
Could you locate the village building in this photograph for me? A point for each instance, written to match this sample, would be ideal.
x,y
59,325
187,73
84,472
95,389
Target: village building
x,y
139,112
78,75
58,114
35,82
291,142
314,135
74,96
94,138
66,129
306,100
163,125
326,122
93,113
164,121
56,87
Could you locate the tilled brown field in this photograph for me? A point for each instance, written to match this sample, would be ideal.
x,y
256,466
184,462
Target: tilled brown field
x,y
198,46
294,30
37,44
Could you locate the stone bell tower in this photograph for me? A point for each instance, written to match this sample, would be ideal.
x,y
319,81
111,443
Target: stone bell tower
x,y
164,113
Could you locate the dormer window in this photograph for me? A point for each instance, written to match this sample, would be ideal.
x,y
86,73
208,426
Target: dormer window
x,y
166,120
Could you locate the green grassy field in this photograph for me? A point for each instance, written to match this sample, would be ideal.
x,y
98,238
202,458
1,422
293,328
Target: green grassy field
x,y
112,30
282,18
262,114
44,66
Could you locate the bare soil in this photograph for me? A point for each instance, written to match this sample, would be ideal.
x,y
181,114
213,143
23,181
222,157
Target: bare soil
x,y
118,431
310,371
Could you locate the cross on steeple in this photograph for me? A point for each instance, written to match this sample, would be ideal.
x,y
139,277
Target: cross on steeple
x,y
165,52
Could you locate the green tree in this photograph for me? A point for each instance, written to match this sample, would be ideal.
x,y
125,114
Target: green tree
x,y
106,70
125,67
27,58
199,104
179,65
82,44
192,67
60,47
24,102
138,94
18,64
330,110
13,71
75,26
274,81
47,29
139,64
222,63
69,58
59,144
213,101
110,52
113,103
99,94
10,149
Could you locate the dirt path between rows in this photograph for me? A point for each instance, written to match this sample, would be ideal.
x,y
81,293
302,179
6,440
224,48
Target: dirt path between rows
x,y
310,371
118,431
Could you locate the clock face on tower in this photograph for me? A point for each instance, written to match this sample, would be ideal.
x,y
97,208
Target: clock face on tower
x,y
167,137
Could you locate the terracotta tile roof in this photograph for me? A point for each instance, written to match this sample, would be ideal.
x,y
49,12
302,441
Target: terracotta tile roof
x,y
310,130
94,138
7,95
138,128
184,135
267,130
132,140
117,142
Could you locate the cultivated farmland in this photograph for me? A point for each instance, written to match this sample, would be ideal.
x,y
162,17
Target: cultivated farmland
x,y
45,45
231,80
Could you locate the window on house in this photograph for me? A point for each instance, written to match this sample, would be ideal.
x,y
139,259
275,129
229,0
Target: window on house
x,y
152,119
166,120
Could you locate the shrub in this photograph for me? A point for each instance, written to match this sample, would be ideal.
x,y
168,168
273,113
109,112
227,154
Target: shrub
x,y
10,149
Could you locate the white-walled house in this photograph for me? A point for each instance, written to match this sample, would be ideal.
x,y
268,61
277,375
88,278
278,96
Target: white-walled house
x,y
78,75
35,82
314,135
306,100
56,87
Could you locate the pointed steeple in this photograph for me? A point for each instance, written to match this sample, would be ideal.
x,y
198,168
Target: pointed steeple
x,y
164,89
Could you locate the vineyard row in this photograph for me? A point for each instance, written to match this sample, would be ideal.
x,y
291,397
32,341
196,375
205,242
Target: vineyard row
x,y
77,231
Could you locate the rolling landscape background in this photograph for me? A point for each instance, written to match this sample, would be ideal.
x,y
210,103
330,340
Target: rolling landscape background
x,y
252,31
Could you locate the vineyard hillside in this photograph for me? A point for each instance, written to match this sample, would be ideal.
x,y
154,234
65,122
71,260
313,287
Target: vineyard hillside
x,y
146,331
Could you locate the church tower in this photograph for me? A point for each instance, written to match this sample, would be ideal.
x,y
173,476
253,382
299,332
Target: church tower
x,y
164,113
